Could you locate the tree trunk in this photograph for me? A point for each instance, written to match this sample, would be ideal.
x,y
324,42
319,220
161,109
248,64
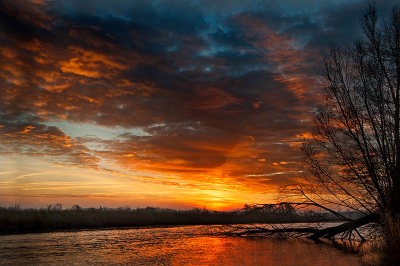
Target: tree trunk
x,y
345,227
316,234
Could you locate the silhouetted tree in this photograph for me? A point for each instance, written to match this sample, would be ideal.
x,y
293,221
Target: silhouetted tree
x,y
76,208
354,152
353,155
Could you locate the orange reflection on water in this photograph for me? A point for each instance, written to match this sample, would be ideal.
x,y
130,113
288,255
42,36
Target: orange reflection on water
x,y
187,245
256,251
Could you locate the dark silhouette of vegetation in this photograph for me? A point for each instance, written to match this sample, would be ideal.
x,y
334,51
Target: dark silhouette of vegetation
x,y
17,220
354,154
352,159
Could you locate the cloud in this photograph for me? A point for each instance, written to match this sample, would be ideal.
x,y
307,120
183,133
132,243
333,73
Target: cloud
x,y
46,142
221,88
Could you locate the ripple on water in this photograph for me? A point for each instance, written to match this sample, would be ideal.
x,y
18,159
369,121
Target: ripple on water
x,y
185,245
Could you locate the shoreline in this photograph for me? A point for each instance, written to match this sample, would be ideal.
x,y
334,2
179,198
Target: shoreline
x,y
43,221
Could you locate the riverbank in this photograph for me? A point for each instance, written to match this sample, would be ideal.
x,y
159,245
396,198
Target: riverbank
x,y
26,221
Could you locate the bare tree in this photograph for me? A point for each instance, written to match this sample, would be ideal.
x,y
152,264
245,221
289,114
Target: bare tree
x,y
354,153
353,157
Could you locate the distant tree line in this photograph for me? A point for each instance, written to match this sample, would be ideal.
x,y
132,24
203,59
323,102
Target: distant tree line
x,y
148,209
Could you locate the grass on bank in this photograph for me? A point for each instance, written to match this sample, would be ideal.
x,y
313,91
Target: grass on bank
x,y
24,221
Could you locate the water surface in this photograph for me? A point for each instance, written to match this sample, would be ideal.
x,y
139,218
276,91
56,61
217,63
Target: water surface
x,y
183,245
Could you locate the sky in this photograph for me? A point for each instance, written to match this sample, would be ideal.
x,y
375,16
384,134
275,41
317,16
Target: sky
x,y
172,104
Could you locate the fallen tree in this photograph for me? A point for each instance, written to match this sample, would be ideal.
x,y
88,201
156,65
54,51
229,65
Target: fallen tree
x,y
345,229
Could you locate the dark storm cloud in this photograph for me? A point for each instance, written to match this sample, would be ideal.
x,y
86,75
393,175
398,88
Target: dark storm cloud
x,y
219,86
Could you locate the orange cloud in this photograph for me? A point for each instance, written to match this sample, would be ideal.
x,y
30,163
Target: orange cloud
x,y
290,59
217,115
34,12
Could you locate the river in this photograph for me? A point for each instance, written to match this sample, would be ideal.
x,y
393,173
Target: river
x,y
180,245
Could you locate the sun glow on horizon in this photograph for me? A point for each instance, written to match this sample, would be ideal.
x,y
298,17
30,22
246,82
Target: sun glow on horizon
x,y
91,188
164,105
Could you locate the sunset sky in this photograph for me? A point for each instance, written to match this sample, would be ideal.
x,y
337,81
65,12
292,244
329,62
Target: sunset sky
x,y
175,104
